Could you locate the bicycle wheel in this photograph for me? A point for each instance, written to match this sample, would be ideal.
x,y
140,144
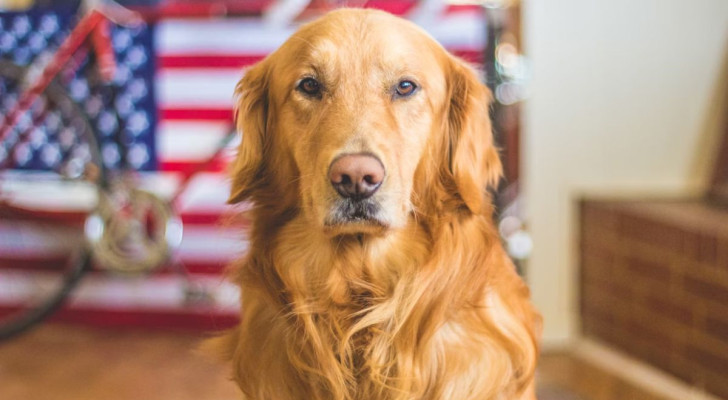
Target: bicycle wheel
x,y
50,175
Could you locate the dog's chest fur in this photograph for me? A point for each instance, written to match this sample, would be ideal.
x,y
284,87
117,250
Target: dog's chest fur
x,y
351,320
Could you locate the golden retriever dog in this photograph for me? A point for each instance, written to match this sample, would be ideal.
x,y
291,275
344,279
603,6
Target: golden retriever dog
x,y
374,270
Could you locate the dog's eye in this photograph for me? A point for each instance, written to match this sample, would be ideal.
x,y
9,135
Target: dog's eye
x,y
310,86
405,88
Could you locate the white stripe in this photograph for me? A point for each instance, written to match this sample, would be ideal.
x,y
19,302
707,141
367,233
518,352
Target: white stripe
x,y
206,192
37,240
197,87
218,36
45,191
459,31
114,292
189,141
212,244
200,243
251,36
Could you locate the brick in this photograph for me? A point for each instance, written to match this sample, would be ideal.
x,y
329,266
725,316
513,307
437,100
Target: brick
x,y
669,307
598,307
712,291
658,271
717,328
597,263
722,262
615,335
603,216
594,235
708,250
658,289
710,360
651,331
716,321
690,248
645,342
651,231
683,369
716,382
609,297
608,285
597,256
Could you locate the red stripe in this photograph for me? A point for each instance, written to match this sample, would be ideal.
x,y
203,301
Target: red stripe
x,y
470,8
57,265
33,262
172,9
208,61
191,319
186,167
241,61
76,219
399,7
471,56
199,114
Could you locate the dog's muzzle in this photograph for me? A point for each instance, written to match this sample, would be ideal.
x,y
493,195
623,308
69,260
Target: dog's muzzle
x,y
356,178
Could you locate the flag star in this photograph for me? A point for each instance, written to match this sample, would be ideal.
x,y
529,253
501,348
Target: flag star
x,y
66,138
138,30
21,26
38,137
50,154
123,74
137,123
136,57
22,55
48,25
138,155
23,154
121,40
7,42
78,89
94,105
52,121
137,89
24,122
110,154
37,42
107,122
81,152
124,105
38,107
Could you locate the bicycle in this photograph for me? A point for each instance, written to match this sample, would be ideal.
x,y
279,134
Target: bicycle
x,y
121,228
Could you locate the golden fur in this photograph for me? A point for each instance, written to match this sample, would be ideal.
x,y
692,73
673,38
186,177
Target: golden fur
x,y
424,303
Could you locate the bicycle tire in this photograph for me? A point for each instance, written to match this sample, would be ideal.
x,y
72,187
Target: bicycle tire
x,y
35,287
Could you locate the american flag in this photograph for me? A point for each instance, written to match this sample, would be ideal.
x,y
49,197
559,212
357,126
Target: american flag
x,y
172,98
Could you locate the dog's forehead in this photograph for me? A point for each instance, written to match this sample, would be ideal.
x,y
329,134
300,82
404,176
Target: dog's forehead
x,y
353,36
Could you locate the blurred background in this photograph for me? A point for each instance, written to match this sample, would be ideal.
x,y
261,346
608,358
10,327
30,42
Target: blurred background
x,y
612,117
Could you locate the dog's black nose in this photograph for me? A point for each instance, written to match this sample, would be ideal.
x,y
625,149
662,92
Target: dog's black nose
x,y
356,176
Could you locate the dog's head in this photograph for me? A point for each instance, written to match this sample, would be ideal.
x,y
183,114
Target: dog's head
x,y
359,121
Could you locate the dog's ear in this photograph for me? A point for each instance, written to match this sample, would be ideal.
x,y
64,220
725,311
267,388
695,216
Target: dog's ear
x,y
474,163
251,109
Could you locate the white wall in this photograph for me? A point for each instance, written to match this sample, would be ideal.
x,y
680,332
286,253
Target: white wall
x,y
623,100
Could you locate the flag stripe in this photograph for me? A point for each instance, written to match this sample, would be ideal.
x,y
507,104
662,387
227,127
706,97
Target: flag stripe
x,y
199,113
209,60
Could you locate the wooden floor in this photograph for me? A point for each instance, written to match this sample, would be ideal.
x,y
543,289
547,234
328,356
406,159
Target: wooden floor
x,y
59,362
562,372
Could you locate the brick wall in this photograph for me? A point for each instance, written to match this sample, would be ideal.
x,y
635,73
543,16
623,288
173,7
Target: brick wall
x,y
654,283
